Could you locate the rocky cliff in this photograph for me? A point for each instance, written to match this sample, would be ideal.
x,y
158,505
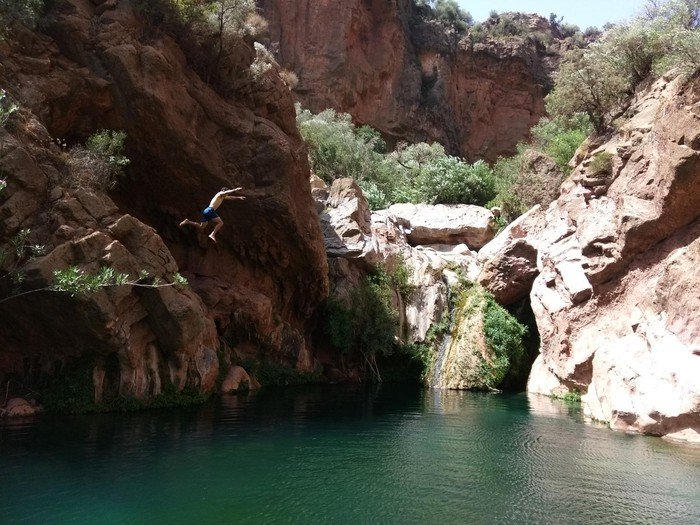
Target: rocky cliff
x,y
615,267
98,65
389,66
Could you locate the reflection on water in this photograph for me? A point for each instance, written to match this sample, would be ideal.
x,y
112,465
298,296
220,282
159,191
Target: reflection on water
x,y
344,455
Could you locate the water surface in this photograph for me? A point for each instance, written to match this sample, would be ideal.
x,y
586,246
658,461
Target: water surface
x,y
344,455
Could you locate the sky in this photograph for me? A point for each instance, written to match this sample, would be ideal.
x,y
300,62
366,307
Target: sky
x,y
583,13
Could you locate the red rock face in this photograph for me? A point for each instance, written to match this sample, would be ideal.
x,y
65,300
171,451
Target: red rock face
x,y
616,301
99,67
409,78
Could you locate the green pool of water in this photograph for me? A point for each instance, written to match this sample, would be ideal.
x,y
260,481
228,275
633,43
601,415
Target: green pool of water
x,y
344,455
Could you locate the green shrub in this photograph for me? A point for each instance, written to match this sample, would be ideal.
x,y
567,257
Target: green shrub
x,y
399,277
588,83
504,337
376,198
270,373
70,391
518,186
336,150
601,164
448,12
601,80
7,108
368,323
573,397
209,32
110,146
449,180
560,137
100,163
416,173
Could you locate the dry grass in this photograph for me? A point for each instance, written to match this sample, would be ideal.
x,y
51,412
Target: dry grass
x,y
256,26
290,78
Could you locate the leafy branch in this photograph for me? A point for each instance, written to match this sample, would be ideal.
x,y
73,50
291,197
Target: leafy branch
x,y
76,282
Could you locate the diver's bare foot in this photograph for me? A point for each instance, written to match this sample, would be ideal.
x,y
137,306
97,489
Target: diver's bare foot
x,y
212,238
183,223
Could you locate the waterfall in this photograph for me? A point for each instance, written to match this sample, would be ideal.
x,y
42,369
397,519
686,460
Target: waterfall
x,y
439,364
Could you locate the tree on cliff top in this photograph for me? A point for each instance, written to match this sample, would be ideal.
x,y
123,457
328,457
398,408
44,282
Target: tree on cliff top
x,y
601,80
448,12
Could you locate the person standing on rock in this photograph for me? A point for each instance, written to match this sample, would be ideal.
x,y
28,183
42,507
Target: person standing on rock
x,y
209,213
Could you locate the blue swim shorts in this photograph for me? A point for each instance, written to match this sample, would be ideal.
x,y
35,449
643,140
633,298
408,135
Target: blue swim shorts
x,y
209,214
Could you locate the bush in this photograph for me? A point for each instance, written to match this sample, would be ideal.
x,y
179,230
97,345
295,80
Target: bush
x,y
7,108
601,164
504,337
368,323
71,391
290,78
560,137
601,80
269,373
587,82
499,26
449,13
99,164
519,185
209,32
416,173
449,180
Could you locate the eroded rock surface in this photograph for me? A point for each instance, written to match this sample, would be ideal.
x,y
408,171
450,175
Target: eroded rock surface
x,y
432,268
101,66
411,78
616,298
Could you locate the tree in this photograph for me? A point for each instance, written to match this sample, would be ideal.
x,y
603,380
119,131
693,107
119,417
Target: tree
x,y
681,13
449,12
228,18
588,82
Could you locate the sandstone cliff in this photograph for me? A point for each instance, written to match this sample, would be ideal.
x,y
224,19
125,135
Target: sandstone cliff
x,y
616,264
412,78
97,65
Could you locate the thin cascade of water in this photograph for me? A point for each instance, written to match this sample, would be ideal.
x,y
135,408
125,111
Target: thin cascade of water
x,y
439,363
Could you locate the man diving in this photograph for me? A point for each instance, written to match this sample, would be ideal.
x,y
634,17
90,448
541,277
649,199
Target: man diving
x,y
209,213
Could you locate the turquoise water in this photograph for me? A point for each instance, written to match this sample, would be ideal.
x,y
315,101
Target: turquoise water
x,y
344,455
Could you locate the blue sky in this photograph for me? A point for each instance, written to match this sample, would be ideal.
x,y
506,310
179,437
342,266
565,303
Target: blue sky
x,y
583,13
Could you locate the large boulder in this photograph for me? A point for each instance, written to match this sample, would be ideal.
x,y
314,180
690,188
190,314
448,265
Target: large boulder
x,y
446,224
509,262
346,220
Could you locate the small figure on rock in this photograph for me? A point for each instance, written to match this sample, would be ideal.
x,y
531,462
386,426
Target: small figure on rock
x,y
209,213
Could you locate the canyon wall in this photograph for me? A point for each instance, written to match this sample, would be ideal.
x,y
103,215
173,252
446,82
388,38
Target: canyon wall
x,y
615,267
412,78
95,65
